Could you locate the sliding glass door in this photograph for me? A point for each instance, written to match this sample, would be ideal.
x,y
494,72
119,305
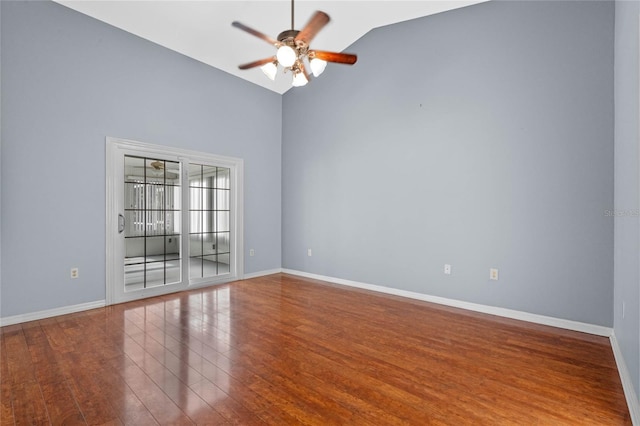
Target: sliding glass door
x,y
174,220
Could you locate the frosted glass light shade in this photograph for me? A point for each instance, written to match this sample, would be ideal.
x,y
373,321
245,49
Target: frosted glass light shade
x,y
286,56
270,70
317,66
299,79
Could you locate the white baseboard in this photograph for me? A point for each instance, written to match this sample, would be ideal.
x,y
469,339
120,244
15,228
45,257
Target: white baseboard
x,y
492,310
262,273
33,316
17,319
627,384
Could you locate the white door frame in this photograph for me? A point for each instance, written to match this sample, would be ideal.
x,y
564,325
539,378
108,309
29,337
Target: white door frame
x,y
115,149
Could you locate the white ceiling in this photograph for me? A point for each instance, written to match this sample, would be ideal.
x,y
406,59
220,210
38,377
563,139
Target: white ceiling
x,y
202,29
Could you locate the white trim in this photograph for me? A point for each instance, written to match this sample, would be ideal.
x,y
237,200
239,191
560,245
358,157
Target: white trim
x,y
627,384
168,150
111,219
33,316
492,310
262,273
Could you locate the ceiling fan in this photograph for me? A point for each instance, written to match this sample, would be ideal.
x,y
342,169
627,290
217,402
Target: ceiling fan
x,y
294,52
157,165
157,168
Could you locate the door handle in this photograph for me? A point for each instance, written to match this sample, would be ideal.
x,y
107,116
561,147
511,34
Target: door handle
x,y
121,223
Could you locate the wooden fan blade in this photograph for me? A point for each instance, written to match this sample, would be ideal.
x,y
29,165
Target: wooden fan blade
x,y
340,58
257,63
255,33
315,24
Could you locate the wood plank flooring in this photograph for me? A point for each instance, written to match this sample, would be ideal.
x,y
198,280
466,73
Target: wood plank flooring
x,y
287,350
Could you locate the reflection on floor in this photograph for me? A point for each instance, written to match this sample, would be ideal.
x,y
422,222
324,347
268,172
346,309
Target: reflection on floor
x,y
161,273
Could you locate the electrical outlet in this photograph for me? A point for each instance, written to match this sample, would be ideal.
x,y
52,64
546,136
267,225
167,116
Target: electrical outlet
x,y
309,252
447,269
493,274
252,252
74,273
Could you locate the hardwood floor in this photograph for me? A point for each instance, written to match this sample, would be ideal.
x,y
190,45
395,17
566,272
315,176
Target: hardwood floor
x,y
288,350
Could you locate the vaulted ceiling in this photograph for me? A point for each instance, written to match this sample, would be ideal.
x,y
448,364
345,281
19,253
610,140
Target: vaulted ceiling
x,y
202,29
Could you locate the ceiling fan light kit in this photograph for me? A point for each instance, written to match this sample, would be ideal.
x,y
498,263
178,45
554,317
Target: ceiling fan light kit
x,y
293,53
317,66
286,56
270,70
299,79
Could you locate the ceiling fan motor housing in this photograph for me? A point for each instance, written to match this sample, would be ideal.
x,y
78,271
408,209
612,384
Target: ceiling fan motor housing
x,y
287,34
288,38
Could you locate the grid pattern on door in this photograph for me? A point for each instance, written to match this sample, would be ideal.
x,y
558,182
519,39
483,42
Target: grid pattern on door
x,y
152,222
209,220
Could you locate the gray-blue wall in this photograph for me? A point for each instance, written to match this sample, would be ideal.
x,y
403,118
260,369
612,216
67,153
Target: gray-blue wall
x,y
480,137
627,173
67,82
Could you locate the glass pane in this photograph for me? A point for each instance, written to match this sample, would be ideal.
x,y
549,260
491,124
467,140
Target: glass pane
x,y
133,196
208,244
222,221
195,267
222,180
133,277
223,242
172,173
154,197
223,264
154,274
134,223
154,171
154,248
172,272
195,222
133,169
195,175
134,250
208,224
195,245
208,199
209,176
155,222
172,248
209,266
195,199
172,222
222,199
172,198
